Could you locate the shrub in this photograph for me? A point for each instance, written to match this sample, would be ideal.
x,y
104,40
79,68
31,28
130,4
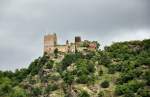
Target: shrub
x,y
68,60
125,77
100,72
18,92
91,79
82,67
5,89
144,92
121,89
83,79
51,87
84,94
129,95
105,59
101,94
36,91
111,69
54,77
91,67
68,77
49,64
105,84
135,85
147,77
130,87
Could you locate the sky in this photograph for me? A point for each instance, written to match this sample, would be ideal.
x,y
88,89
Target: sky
x,y
23,23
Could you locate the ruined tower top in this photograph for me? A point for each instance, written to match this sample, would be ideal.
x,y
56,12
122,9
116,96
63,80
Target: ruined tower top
x,y
77,39
50,41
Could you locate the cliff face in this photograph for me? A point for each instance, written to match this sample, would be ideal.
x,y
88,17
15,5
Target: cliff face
x,y
121,70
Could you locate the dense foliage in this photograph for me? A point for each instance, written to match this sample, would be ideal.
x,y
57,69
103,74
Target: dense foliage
x,y
122,69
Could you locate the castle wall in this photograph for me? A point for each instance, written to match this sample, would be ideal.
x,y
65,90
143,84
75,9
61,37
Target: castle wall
x,y
72,48
62,48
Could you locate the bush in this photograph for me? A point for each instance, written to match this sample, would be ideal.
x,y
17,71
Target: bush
x,y
101,94
82,67
36,91
18,92
147,77
105,59
144,92
54,77
135,85
129,95
84,94
91,67
100,72
105,84
49,64
51,87
68,77
83,79
130,87
5,89
121,89
68,60
111,69
36,65
125,77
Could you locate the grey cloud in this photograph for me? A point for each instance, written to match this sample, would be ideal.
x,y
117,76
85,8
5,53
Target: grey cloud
x,y
24,22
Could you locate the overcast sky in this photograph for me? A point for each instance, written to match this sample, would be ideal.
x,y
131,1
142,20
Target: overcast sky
x,y
24,22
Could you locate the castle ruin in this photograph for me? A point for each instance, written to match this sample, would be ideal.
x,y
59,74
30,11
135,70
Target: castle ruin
x,y
50,44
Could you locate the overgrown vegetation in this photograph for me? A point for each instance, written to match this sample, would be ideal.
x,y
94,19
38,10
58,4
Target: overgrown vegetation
x,y
120,70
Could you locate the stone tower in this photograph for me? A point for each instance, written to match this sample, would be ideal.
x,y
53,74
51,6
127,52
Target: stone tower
x,y
77,42
77,39
50,41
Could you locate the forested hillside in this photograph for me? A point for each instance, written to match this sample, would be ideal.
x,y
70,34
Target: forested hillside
x,y
120,70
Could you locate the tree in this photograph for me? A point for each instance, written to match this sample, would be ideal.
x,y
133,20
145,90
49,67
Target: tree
x,y
21,74
91,67
105,59
82,67
131,87
5,86
68,60
146,43
68,79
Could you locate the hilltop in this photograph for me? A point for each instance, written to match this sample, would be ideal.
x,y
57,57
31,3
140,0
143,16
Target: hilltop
x,y
120,70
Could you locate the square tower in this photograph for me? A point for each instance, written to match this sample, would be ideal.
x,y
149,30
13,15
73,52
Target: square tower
x,y
50,41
